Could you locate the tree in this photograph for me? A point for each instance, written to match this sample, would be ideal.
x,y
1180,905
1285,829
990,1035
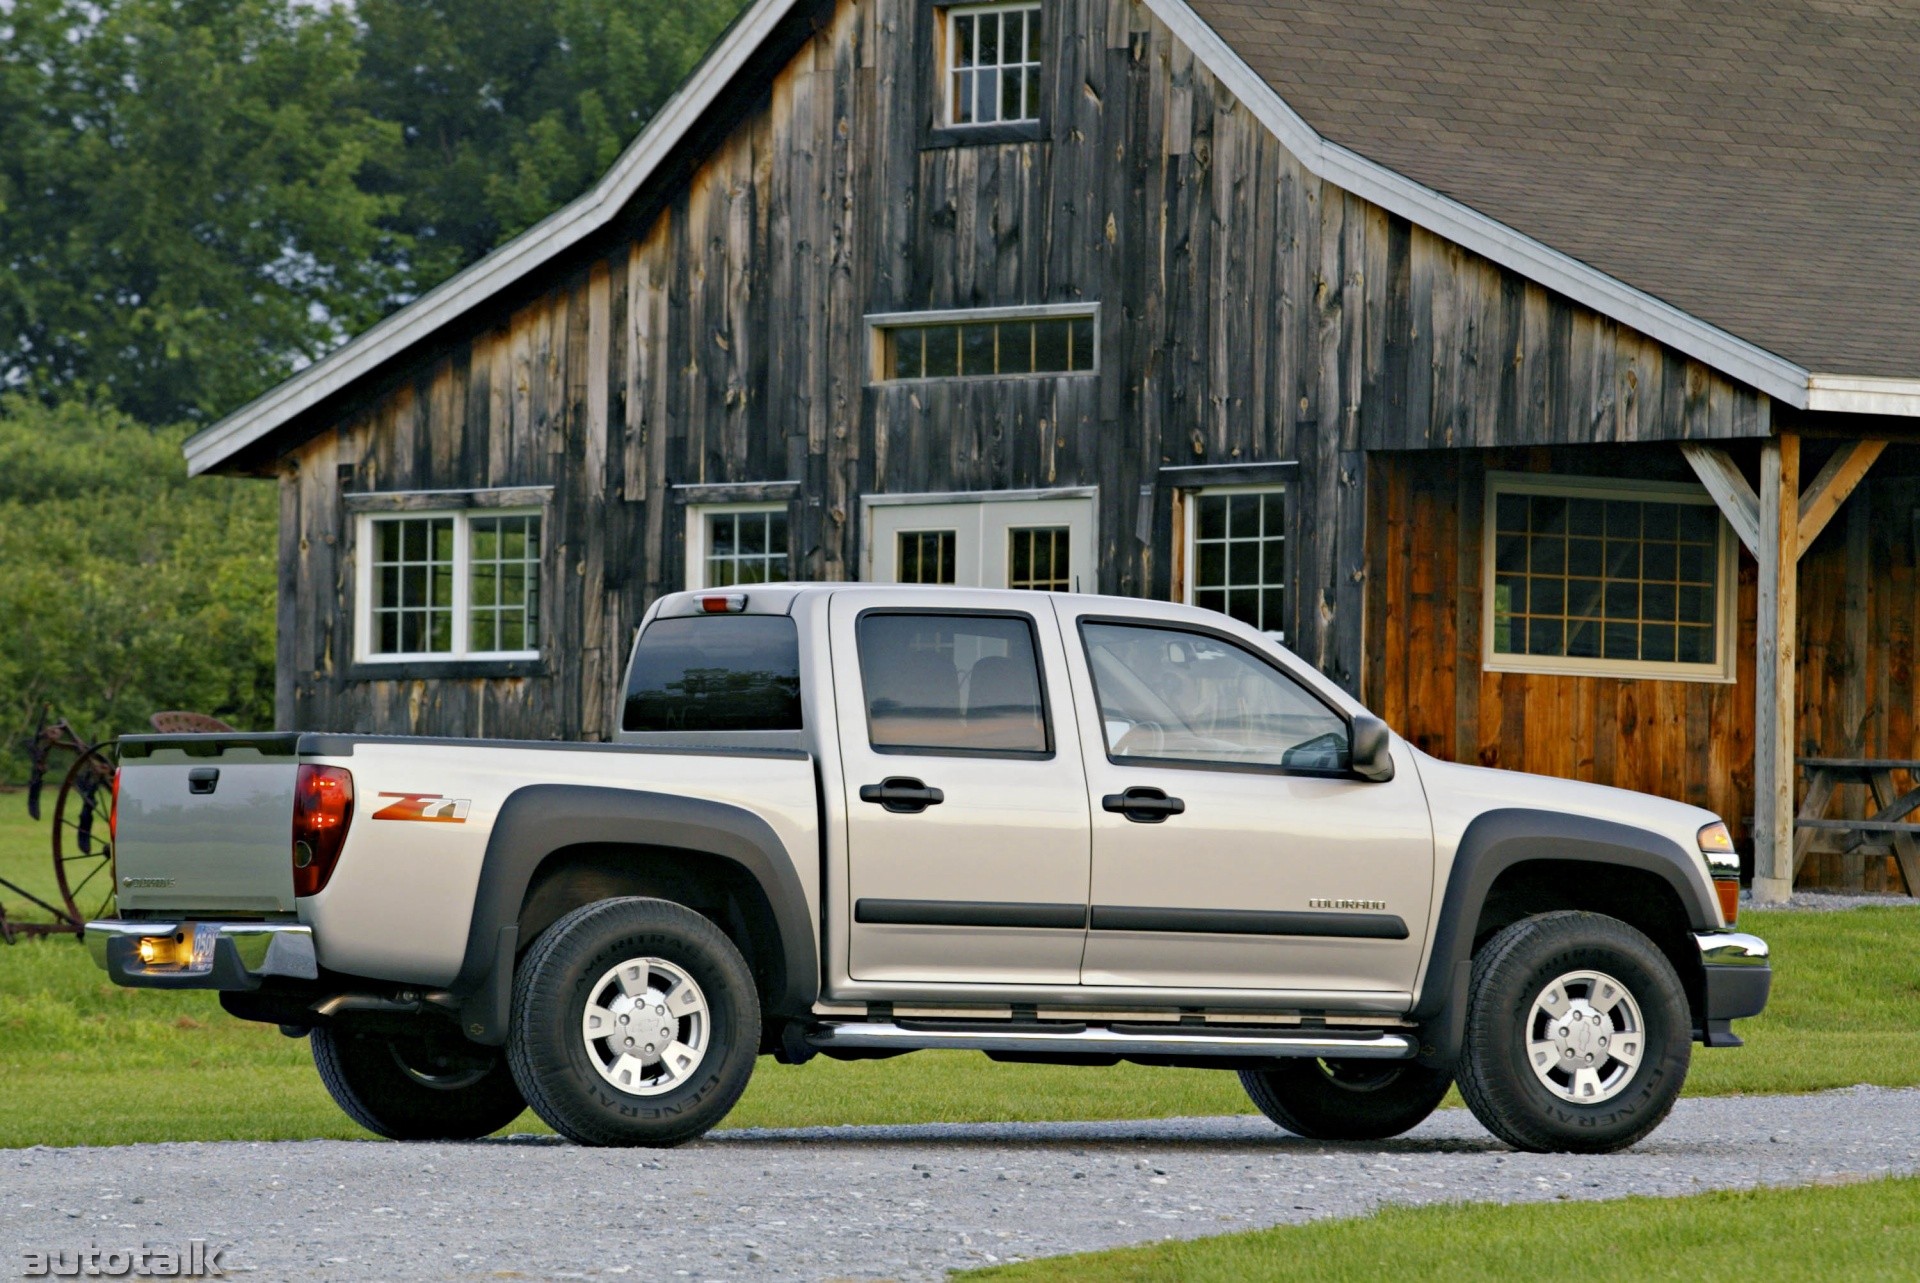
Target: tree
x,y
510,108
127,588
181,218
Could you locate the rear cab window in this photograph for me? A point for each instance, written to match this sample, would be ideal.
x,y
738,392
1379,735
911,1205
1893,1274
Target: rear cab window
x,y
715,674
944,683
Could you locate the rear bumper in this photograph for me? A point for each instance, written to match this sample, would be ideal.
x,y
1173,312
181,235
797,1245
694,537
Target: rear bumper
x,y
1737,974
224,955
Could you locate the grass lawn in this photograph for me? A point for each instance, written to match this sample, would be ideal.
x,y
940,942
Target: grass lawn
x,y
82,1061
1869,1230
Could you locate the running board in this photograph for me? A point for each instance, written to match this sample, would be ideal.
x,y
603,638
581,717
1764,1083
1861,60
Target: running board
x,y
1139,1041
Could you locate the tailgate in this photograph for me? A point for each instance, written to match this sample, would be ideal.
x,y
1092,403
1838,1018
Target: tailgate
x,y
205,823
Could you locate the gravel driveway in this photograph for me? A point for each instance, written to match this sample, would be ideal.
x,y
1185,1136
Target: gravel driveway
x,y
899,1202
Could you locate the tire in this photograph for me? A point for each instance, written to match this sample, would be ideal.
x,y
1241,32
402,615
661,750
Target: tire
x,y
425,1083
1573,1105
617,1088
1347,1099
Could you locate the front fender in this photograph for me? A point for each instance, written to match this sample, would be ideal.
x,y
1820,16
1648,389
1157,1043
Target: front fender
x,y
1497,841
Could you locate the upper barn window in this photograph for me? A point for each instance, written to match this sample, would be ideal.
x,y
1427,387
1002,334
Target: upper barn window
x,y
1606,578
996,342
992,65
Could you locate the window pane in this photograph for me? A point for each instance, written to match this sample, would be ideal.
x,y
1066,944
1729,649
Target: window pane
x,y
989,39
963,40
1082,338
986,97
1616,597
1037,559
1212,516
715,673
1171,695
962,97
948,682
976,355
1050,346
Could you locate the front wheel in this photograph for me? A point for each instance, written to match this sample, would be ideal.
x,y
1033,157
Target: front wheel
x,y
1347,1099
1578,1035
635,1022
424,1083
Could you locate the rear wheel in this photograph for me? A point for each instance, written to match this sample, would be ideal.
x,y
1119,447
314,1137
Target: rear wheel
x,y
635,1022
1578,1035
1347,1099
424,1083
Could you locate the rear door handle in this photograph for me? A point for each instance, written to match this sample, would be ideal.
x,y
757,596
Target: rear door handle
x,y
203,779
902,794
1144,805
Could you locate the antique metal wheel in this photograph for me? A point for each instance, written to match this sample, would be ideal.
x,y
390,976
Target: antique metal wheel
x,y
83,835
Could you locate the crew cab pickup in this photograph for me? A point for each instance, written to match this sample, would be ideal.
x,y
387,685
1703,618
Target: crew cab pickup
x,y
863,820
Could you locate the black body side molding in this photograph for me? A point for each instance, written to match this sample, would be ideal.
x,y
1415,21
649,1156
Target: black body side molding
x,y
1497,841
541,819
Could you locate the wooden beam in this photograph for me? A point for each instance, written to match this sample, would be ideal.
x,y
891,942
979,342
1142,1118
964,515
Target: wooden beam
x,y
1774,688
1830,488
1728,486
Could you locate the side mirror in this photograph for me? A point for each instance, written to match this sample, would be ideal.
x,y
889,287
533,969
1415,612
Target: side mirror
x,y
1372,759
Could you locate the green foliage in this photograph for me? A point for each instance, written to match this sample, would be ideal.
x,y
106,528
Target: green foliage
x,y
510,108
128,589
181,221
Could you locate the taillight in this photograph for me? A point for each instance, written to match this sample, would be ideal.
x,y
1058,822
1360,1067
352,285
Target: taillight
x,y
113,809
322,809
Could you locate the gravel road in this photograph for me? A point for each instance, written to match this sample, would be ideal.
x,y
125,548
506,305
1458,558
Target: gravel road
x,y
890,1202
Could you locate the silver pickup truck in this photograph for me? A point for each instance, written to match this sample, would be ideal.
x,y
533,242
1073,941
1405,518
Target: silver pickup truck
x,y
857,821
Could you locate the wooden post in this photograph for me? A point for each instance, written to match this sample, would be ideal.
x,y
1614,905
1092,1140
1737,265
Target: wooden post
x,y
1774,687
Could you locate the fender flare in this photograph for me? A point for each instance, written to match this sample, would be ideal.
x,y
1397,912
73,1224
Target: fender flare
x,y
1496,841
540,819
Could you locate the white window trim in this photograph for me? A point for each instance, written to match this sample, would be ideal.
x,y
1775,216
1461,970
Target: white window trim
x,y
880,324
1189,540
1726,621
947,67
363,631
697,514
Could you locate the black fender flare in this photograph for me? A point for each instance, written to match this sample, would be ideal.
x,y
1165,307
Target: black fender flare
x,y
540,819
1496,841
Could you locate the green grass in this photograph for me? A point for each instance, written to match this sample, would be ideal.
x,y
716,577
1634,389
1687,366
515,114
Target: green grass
x,y
1869,1230
84,1062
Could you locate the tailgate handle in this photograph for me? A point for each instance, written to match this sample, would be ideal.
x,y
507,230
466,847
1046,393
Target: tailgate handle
x,y
203,779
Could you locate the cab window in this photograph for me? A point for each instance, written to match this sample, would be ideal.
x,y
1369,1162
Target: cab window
x,y
944,683
1174,696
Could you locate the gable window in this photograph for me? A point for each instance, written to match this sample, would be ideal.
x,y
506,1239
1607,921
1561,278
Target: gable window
x,y
1236,549
985,343
737,543
450,585
1628,579
992,64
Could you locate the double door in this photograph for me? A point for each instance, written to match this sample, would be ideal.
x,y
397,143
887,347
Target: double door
x,y
1006,541
1120,804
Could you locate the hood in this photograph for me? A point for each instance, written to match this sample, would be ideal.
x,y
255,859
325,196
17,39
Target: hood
x,y
1457,794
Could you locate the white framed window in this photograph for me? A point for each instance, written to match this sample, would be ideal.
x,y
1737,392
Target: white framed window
x,y
449,585
737,543
1235,541
986,343
1601,577
992,65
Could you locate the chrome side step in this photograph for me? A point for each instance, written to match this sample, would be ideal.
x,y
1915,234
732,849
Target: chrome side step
x,y
1138,1041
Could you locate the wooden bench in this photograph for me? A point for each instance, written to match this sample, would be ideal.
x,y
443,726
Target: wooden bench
x,y
1887,829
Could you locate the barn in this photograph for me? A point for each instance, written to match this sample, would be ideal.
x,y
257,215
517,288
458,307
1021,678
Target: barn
x,y
1548,376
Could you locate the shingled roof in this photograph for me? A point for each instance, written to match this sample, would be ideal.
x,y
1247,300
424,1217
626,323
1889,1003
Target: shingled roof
x,y
1754,165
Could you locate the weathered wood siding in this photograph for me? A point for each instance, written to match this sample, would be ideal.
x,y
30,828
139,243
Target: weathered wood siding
x,y
1859,604
1249,313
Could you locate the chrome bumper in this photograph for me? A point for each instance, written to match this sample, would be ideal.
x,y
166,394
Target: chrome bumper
x,y
1736,978
224,955
1731,949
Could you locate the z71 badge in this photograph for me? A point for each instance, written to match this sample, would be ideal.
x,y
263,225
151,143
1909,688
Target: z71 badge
x,y
430,807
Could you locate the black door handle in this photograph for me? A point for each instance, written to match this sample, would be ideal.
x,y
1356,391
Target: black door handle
x,y
1144,805
902,793
203,779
